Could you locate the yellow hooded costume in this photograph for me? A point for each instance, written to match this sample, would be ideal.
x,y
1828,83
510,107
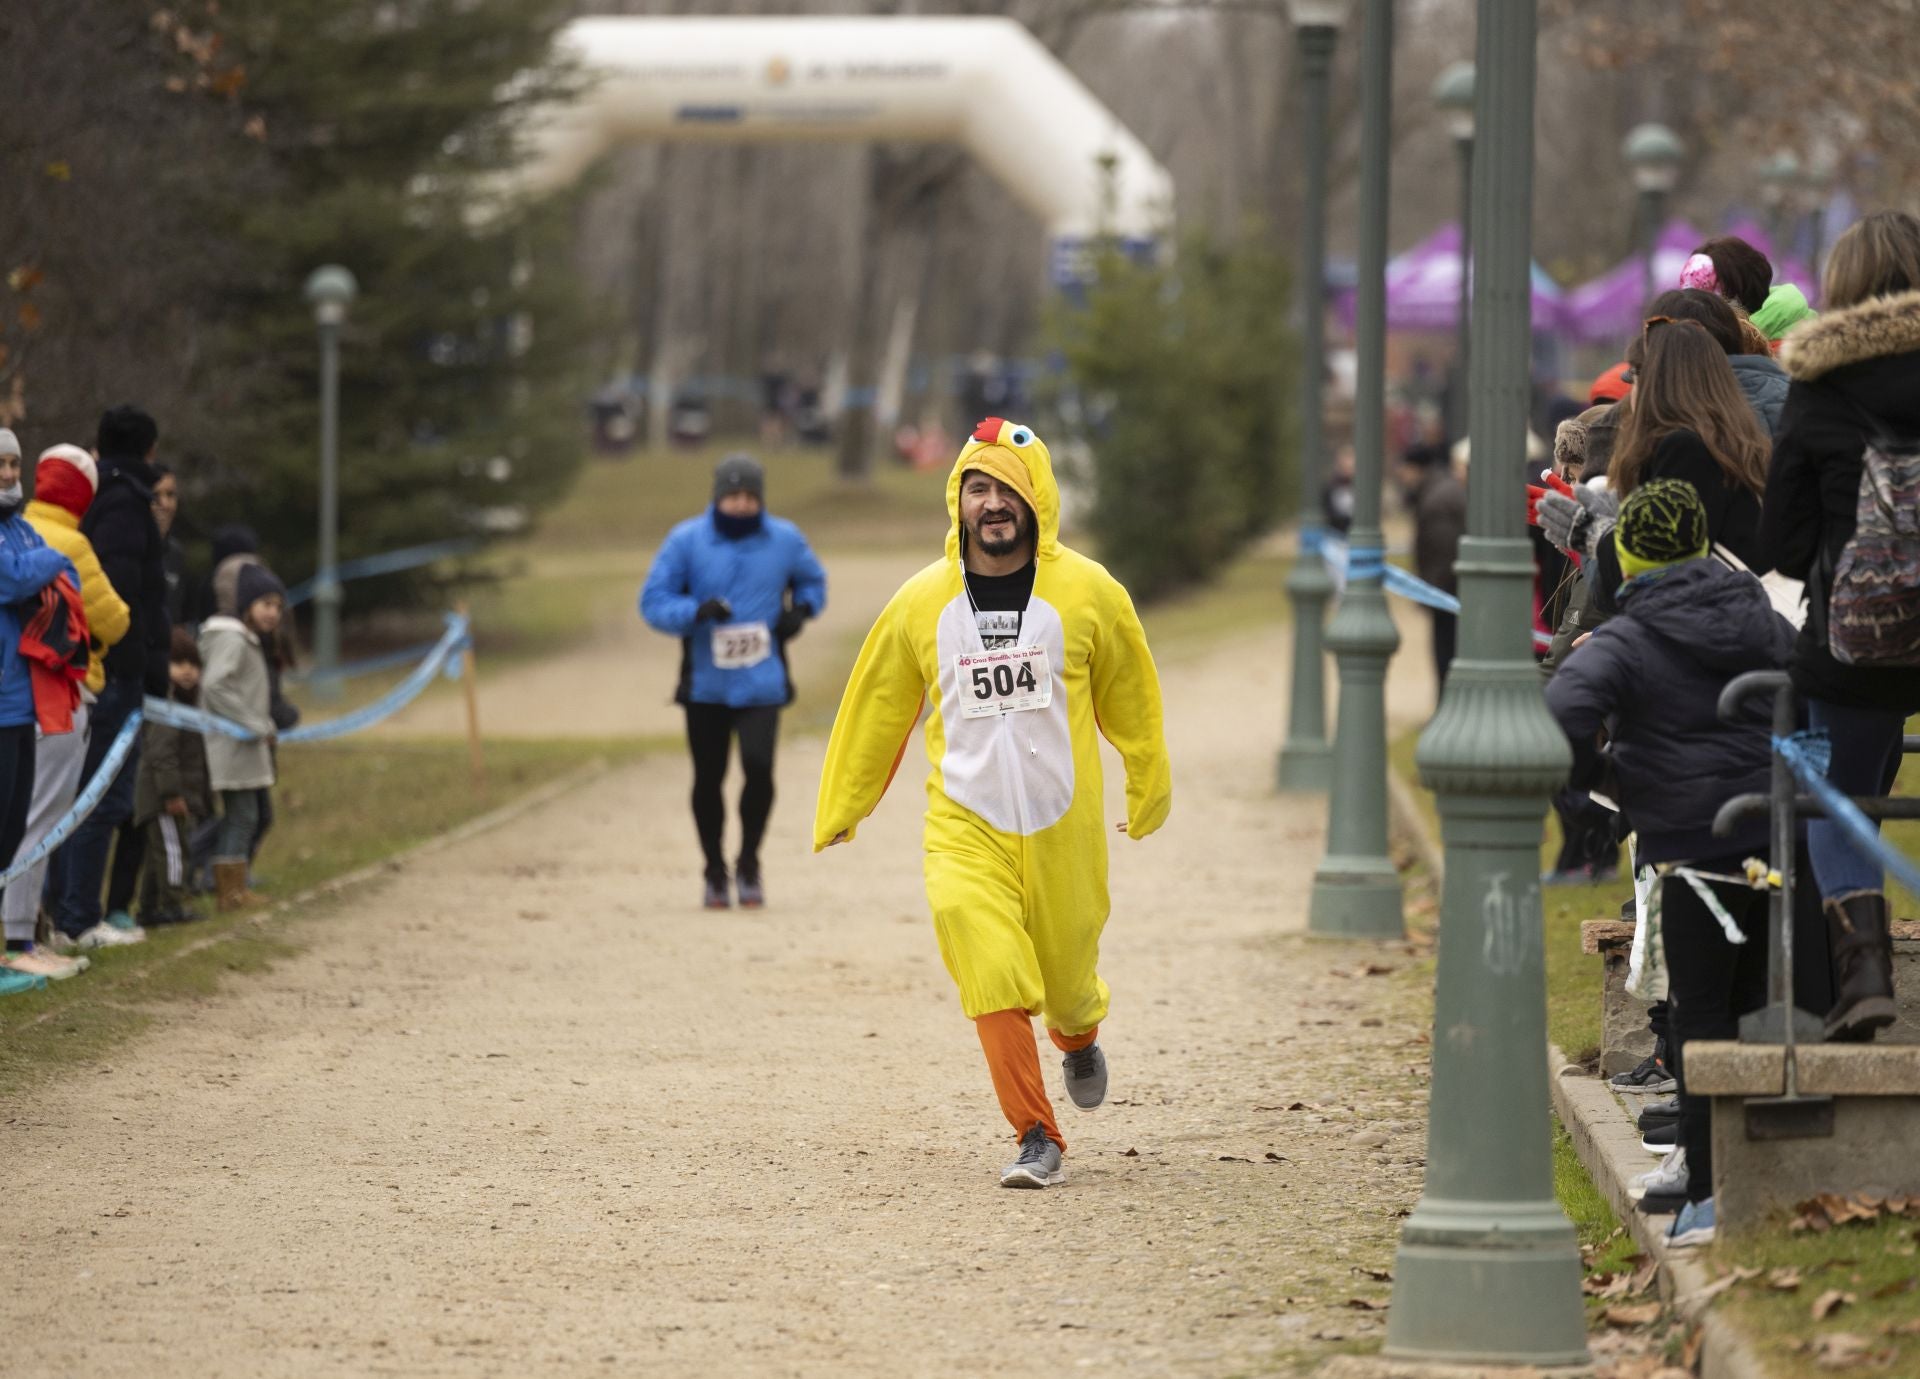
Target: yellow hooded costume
x,y
1016,838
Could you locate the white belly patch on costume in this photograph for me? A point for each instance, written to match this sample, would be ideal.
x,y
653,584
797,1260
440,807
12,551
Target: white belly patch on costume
x,y
1015,769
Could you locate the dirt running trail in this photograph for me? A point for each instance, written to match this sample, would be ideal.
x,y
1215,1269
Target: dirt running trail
x,y
521,1108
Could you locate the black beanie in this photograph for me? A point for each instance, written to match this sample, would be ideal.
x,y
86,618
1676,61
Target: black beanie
x,y
739,473
255,582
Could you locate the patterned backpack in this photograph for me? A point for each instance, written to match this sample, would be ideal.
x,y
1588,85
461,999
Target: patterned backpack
x,y
1873,612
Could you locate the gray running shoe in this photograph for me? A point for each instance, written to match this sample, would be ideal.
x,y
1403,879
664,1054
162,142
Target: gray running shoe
x,y
1086,1076
752,894
1038,1164
717,896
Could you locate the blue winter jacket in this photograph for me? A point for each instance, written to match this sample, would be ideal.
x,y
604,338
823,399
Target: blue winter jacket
x,y
754,574
27,565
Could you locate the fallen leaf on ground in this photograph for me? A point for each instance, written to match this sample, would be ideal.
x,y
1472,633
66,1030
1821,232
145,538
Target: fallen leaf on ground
x,y
1366,1305
1783,1280
1377,1275
1714,1289
1841,1350
1234,1159
1830,1302
1894,1290
1636,1314
1131,1154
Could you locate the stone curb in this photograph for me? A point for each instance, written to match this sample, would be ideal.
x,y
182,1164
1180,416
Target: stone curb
x,y
333,886
1608,1146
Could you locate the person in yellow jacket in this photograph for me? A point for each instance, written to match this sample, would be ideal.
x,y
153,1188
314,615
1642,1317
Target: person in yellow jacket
x,y
64,482
1025,652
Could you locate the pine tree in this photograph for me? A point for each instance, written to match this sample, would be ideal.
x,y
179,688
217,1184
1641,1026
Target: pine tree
x,y
461,377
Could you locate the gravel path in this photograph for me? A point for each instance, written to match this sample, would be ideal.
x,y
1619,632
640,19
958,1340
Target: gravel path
x,y
522,1109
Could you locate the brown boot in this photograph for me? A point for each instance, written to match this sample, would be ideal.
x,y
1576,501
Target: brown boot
x,y
230,885
1862,965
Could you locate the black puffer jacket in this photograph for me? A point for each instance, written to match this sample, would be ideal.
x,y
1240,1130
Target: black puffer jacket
x,y
1652,677
126,538
1853,370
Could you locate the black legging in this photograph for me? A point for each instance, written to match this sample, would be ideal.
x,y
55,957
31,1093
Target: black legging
x,y
1712,983
17,752
710,731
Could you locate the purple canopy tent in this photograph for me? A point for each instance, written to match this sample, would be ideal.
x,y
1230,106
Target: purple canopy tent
x,y
1609,309
1423,288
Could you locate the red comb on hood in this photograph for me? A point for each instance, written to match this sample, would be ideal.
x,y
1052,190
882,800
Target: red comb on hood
x,y
988,429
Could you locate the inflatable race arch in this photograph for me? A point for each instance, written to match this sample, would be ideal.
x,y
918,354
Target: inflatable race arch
x,y
986,84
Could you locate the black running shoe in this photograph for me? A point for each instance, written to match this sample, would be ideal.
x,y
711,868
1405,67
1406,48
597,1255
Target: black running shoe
x,y
1651,1076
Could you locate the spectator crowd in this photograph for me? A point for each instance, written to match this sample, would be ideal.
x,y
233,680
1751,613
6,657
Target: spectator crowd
x,y
1743,494
97,615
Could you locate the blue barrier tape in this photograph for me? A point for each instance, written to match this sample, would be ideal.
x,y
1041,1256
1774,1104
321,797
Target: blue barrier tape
x,y
387,563
370,666
1364,563
85,802
1410,586
1801,752
1373,564
456,639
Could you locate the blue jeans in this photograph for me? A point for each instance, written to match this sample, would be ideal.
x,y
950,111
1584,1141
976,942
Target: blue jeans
x,y
1866,757
77,871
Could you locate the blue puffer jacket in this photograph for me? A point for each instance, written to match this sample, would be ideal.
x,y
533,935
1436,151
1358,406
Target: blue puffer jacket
x,y
753,574
27,565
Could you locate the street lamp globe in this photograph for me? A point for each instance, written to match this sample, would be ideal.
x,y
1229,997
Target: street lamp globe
x,y
331,288
1317,14
1654,153
1453,94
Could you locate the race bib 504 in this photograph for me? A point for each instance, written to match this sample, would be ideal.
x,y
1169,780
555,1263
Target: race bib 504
x,y
1014,680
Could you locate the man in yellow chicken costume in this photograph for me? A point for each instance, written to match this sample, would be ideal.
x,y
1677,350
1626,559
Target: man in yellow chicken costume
x,y
1025,650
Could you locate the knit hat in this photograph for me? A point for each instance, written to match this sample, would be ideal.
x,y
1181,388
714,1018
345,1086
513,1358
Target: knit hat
x,y
1785,307
9,443
1662,523
255,582
739,473
1610,386
67,477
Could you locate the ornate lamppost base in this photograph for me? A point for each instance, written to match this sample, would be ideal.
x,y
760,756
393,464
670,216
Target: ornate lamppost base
x,y
1485,1283
1306,766
1356,897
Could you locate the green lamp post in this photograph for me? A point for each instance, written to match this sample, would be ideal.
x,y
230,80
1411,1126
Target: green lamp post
x,y
1306,760
1453,95
1778,175
1817,176
1654,154
331,289
1356,891
1489,1266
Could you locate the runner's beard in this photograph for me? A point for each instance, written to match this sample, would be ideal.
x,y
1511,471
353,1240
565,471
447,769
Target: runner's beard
x,y
1022,534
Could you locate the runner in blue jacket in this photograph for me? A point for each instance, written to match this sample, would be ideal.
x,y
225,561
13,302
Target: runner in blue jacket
x,y
735,584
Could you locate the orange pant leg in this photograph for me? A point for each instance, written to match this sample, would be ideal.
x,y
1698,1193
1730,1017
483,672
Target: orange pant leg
x,y
1073,1043
1013,1061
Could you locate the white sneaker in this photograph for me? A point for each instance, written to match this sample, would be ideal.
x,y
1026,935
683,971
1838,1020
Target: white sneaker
x,y
104,935
44,962
1670,1176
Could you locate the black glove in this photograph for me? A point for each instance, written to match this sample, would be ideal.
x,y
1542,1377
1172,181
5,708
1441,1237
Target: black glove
x,y
788,624
713,610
